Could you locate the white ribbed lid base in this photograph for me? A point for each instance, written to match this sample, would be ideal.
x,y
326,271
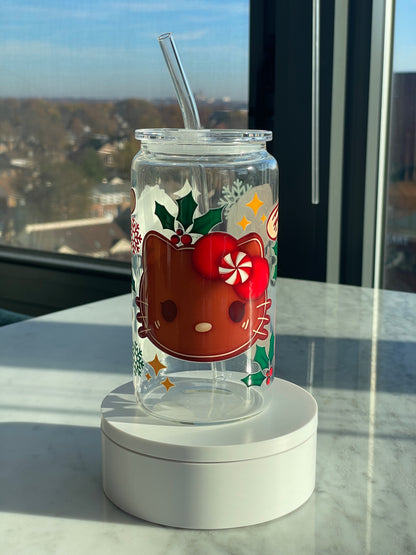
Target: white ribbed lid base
x,y
213,476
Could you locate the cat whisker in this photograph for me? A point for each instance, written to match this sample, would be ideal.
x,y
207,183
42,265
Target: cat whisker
x,y
157,324
267,303
261,332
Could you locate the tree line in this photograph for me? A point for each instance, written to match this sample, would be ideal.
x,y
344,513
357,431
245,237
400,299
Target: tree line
x,y
59,141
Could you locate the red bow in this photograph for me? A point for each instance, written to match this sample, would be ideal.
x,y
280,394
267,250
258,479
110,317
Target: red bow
x,y
220,256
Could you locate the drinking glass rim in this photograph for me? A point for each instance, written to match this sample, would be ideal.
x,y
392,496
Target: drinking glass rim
x,y
203,136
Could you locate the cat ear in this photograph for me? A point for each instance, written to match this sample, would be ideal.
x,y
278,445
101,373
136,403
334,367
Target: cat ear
x,y
156,248
251,244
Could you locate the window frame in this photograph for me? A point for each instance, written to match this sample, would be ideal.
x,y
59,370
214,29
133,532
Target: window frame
x,y
334,241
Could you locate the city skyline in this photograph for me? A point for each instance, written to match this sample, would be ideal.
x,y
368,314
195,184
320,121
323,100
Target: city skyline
x,y
74,50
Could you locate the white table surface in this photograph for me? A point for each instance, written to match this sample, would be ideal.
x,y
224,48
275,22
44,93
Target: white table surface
x,y
353,348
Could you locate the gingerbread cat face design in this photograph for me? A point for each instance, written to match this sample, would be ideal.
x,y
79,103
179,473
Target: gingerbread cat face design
x,y
207,301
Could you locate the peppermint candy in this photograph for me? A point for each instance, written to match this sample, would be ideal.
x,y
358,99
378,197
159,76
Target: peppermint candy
x,y
239,263
235,267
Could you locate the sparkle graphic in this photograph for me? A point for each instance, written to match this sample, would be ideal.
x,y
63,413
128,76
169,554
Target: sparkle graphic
x,y
156,365
263,218
244,223
255,204
148,376
168,384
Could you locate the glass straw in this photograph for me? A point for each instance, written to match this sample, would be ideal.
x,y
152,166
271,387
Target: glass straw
x,y
183,90
191,121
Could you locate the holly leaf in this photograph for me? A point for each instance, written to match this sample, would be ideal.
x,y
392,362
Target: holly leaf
x,y
166,219
275,248
254,379
271,348
205,223
261,357
186,211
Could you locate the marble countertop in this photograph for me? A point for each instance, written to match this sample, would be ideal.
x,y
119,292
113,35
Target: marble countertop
x,y
353,348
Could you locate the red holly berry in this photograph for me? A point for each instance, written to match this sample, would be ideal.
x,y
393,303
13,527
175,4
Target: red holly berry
x,y
186,239
174,239
179,232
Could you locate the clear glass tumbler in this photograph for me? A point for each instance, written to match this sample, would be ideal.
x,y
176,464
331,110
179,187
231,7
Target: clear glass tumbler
x,y
204,221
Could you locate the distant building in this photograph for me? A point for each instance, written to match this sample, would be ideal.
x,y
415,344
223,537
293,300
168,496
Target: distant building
x,y
106,153
96,237
403,128
400,247
110,198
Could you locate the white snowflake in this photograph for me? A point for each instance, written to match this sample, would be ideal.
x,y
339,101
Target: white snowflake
x,y
138,362
232,194
136,238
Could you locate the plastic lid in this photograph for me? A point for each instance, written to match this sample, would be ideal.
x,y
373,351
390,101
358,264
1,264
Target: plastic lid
x,y
204,136
290,420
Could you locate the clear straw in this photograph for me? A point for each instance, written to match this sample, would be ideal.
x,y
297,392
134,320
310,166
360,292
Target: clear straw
x,y
183,90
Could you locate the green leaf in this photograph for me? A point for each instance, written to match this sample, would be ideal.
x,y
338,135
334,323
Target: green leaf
x,y
271,348
166,219
205,223
254,379
186,211
274,249
261,357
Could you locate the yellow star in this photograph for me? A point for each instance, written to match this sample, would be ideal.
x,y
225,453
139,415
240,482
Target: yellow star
x,y
263,218
244,223
255,204
148,376
156,365
168,384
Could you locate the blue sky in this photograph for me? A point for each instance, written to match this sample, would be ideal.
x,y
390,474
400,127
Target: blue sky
x,y
404,53
109,48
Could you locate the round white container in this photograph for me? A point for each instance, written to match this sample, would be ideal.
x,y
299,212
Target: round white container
x,y
215,476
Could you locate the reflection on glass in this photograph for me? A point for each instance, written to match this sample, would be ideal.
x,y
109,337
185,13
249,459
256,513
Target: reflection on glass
x,y
400,241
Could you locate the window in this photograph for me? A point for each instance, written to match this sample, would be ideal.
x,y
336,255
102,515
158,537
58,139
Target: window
x,y
66,125
76,82
400,220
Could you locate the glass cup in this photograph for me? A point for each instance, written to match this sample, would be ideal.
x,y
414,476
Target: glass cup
x,y
204,221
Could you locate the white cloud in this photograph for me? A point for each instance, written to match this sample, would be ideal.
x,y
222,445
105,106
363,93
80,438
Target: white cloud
x,y
15,48
191,35
239,7
49,12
